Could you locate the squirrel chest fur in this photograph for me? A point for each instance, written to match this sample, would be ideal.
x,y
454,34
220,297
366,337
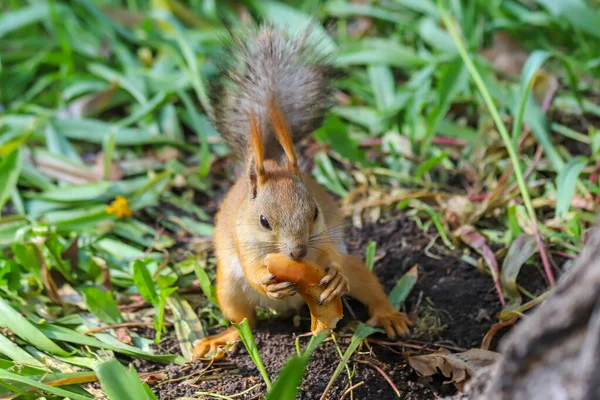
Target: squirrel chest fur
x,y
276,91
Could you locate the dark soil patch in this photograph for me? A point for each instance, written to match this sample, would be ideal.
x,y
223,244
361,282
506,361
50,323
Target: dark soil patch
x,y
456,306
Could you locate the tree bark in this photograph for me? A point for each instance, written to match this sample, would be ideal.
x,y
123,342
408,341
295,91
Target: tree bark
x,y
554,352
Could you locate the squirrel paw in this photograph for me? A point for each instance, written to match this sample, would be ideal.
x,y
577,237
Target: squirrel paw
x,y
279,290
336,284
210,345
395,323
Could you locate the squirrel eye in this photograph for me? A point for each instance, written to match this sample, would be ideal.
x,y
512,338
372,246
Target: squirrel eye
x,y
316,214
264,222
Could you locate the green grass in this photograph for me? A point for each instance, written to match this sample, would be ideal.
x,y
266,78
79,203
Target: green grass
x,y
103,100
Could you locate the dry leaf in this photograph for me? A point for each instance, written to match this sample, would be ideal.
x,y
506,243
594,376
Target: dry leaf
x,y
458,367
115,173
457,209
124,336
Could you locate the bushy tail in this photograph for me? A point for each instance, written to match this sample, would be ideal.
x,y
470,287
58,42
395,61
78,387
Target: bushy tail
x,y
268,64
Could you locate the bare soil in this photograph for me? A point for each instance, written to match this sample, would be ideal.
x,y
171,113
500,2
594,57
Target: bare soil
x,y
453,304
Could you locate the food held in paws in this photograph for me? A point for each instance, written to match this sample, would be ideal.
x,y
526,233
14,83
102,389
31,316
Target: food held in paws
x,y
307,275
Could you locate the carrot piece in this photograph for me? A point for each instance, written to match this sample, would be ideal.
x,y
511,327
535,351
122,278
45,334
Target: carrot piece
x,y
307,275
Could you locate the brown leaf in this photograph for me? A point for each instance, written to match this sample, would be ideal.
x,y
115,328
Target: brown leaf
x,y
477,242
124,336
458,367
89,105
457,210
115,173
506,54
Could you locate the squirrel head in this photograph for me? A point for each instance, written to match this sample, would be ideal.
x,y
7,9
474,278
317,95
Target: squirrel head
x,y
281,214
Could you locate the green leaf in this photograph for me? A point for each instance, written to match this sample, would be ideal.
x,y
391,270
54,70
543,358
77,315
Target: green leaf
x,y
9,226
286,17
58,144
335,134
20,326
125,82
248,339
103,305
289,379
382,85
370,257
454,78
6,376
380,52
15,353
534,62
188,327
566,182
119,383
94,131
10,169
70,336
209,290
426,166
577,13
14,20
74,193
10,276
519,252
143,281
403,287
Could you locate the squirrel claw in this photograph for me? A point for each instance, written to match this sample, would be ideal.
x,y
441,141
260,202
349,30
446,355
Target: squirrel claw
x,y
395,323
280,290
337,285
268,279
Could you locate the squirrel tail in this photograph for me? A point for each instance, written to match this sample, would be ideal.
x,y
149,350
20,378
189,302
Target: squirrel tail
x,y
268,66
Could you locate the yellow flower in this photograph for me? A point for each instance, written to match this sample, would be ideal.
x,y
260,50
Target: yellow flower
x,y
119,207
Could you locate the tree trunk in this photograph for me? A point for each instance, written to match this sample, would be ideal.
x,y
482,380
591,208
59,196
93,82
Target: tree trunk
x,y
554,352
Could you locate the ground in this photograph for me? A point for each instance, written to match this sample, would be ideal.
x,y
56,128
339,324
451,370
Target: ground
x,y
457,305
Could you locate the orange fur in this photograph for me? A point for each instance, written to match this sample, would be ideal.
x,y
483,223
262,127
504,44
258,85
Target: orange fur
x,y
258,148
282,132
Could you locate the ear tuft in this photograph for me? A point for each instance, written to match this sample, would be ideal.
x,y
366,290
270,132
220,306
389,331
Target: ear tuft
x,y
282,132
256,169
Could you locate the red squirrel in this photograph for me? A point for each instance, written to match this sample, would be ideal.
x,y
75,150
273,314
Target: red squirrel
x,y
276,92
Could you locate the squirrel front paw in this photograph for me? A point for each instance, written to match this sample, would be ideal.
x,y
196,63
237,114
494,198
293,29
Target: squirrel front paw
x,y
395,323
278,290
335,283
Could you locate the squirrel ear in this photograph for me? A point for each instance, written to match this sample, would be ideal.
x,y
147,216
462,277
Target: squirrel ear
x,y
256,170
282,132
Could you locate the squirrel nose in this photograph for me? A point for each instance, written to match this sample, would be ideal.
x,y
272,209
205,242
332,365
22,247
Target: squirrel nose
x,y
298,252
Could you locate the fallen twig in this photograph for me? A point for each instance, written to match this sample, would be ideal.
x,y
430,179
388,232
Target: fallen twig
x,y
382,372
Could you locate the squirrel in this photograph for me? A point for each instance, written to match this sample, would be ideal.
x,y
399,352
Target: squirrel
x,y
276,91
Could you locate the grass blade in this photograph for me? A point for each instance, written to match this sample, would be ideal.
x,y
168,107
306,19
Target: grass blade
x,y
519,252
289,379
403,287
565,184
248,339
514,158
10,169
15,353
361,333
20,326
370,257
9,376
11,21
119,383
